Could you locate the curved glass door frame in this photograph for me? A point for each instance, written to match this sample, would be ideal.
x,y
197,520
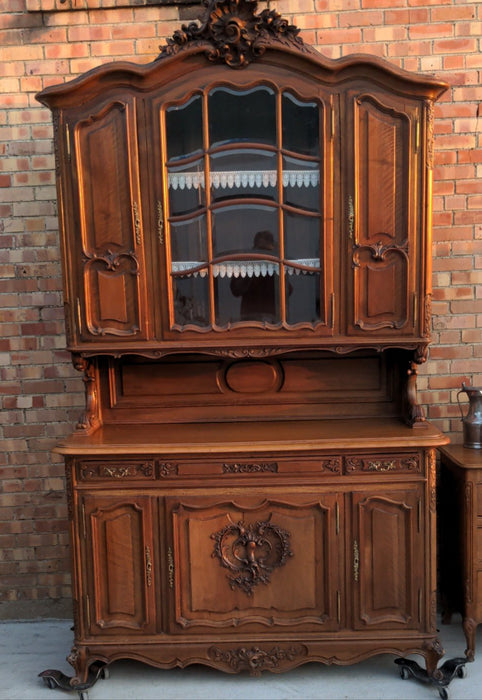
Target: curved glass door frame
x,y
246,190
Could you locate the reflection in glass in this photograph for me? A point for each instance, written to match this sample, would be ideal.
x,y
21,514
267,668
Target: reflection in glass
x,y
188,243
243,173
191,301
302,237
257,285
303,140
184,132
234,228
301,181
186,187
302,296
248,115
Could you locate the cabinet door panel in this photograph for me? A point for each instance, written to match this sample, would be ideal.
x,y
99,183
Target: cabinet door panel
x,y
266,563
388,564
382,201
111,291
119,556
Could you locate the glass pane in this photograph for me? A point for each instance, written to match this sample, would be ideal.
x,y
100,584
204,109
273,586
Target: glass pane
x,y
184,133
188,244
186,187
244,173
250,296
245,229
301,125
191,300
301,183
302,291
236,116
302,239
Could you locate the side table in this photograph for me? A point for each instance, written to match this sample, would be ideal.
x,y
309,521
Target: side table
x,y
460,538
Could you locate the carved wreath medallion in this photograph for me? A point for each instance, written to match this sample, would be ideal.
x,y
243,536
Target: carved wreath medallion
x,y
251,551
234,33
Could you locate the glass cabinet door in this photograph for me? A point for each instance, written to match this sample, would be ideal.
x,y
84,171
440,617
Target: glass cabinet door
x,y
244,210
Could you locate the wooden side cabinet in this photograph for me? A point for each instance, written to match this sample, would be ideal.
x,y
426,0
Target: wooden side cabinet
x,y
460,528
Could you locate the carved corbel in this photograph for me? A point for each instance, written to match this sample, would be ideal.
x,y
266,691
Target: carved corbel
x,y
89,421
413,412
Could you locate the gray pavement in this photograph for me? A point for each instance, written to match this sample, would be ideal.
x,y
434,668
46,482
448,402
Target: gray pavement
x,y
26,648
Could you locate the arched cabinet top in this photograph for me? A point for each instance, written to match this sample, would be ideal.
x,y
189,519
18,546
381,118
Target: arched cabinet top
x,y
234,36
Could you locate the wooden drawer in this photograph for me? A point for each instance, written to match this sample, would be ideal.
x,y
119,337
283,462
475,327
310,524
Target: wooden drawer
x,y
330,465
260,467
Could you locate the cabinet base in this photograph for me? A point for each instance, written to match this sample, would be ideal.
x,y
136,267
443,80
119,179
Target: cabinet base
x,y
90,662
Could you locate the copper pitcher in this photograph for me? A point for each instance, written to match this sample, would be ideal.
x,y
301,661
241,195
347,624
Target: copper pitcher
x,y
472,421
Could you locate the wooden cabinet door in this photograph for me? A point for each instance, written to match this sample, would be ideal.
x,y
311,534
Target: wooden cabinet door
x,y
118,559
383,217
106,246
244,563
388,564
245,232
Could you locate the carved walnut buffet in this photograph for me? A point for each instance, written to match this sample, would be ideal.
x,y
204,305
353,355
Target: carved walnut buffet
x,y
245,230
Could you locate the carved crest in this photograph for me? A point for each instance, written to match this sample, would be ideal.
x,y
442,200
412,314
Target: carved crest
x,y
251,551
234,33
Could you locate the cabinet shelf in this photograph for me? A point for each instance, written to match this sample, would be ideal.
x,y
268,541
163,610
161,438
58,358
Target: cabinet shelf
x,y
245,268
227,179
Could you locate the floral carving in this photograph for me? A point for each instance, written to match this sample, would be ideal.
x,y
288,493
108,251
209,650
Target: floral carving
x,y
250,468
382,464
255,659
108,470
251,552
168,469
332,465
234,33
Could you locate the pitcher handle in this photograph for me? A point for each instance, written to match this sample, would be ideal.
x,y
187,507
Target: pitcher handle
x,y
463,390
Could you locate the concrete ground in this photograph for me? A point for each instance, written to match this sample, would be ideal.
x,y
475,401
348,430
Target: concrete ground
x,y
26,648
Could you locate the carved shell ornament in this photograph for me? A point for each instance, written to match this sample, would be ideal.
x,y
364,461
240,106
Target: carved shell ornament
x,y
236,34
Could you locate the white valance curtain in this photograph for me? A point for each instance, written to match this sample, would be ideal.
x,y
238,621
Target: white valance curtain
x,y
228,179
245,268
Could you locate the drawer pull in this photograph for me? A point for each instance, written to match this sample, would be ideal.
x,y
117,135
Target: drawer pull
x,y
382,466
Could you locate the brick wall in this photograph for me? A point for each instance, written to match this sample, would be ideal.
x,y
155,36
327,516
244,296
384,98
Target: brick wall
x,y
43,42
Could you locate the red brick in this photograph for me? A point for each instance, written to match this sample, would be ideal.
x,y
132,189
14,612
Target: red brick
x,y
418,35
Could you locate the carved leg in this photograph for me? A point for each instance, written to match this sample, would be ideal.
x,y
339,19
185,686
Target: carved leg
x,y
470,627
433,654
